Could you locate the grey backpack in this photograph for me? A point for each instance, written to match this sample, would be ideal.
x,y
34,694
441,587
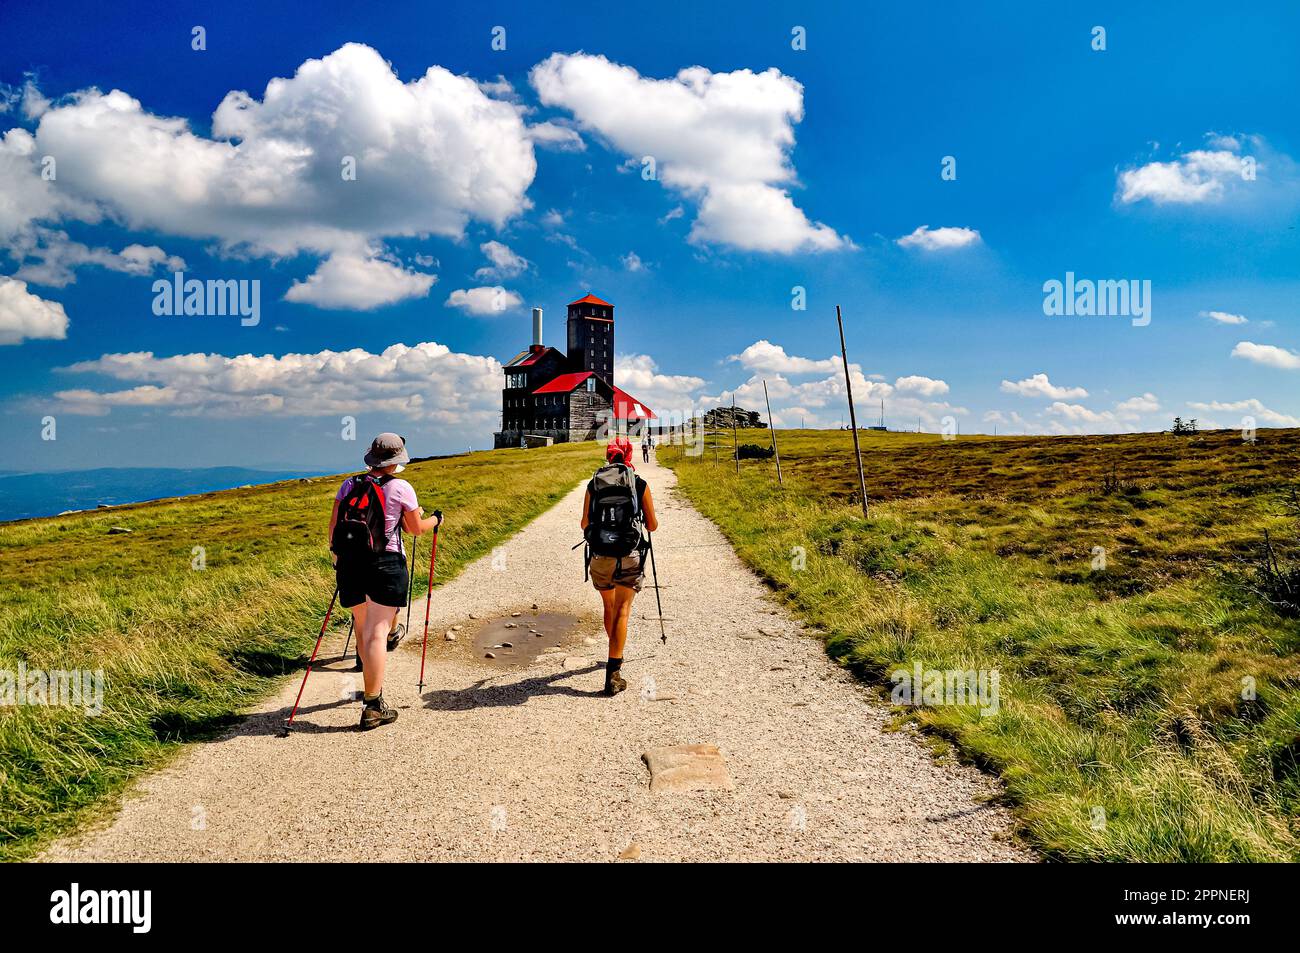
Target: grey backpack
x,y
614,513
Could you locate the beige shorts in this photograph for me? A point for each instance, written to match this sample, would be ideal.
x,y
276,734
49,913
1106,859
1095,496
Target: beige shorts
x,y
608,572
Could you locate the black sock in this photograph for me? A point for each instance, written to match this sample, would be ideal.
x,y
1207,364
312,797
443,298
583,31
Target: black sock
x,y
612,666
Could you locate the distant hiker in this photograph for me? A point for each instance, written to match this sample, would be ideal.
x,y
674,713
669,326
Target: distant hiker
x,y
366,539
615,507
645,450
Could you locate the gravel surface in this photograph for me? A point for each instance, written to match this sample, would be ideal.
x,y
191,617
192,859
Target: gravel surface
x,y
530,762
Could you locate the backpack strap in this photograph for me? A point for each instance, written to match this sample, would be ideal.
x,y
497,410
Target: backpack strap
x,y
636,502
379,482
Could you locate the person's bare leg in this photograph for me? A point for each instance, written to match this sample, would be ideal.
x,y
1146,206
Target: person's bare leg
x,y
622,611
372,640
607,600
617,608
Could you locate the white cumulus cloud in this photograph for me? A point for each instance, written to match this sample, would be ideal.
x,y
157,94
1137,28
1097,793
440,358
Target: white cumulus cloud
x,y
1229,169
1145,404
504,262
49,257
1039,385
639,375
484,300
925,386
25,316
765,357
1251,408
1267,354
428,381
939,239
359,283
822,400
430,155
721,139
1224,317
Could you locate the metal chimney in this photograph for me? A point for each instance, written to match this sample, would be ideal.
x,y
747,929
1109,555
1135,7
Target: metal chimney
x,y
537,326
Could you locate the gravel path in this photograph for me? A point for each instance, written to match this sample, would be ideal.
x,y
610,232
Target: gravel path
x,y
530,763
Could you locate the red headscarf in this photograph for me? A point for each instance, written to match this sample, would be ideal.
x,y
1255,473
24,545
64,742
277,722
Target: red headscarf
x,y
620,448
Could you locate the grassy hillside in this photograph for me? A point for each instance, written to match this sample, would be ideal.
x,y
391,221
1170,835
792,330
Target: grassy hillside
x,y
184,650
1126,729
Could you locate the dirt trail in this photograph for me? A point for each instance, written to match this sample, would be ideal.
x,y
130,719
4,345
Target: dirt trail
x,y
531,763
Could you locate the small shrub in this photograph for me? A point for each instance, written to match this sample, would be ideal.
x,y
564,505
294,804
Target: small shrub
x,y
749,451
1277,581
1112,484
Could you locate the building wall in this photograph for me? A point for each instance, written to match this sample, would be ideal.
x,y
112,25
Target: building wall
x,y
587,411
591,340
520,410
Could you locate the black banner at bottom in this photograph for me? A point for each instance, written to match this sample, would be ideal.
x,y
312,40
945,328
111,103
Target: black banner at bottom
x,y
144,902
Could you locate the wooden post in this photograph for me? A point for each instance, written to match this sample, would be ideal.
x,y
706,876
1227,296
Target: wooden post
x,y
735,447
853,416
772,427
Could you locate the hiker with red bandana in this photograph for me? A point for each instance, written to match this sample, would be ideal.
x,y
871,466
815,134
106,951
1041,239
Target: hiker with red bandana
x,y
615,507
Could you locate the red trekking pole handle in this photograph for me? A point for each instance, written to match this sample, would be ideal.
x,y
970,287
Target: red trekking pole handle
x,y
310,661
433,560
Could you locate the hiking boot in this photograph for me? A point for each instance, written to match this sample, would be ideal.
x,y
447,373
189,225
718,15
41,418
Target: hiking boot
x,y
377,713
615,684
395,637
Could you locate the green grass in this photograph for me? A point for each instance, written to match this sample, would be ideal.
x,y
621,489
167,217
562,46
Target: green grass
x,y
184,651
1120,689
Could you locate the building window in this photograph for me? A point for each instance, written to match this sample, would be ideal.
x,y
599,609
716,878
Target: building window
x,y
591,385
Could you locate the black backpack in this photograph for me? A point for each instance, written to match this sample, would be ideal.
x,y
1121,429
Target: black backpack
x,y
359,530
614,513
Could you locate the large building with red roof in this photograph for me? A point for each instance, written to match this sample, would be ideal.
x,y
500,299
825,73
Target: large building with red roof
x,y
568,397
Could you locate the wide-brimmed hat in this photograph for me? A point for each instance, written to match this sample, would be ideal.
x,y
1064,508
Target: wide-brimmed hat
x,y
386,450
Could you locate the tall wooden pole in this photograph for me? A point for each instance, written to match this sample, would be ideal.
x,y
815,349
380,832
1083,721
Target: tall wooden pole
x,y
772,427
735,448
853,416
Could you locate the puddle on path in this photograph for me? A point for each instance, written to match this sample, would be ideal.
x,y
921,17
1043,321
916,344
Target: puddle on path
x,y
518,640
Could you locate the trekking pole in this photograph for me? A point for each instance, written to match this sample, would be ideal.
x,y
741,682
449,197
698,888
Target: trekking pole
x,y
328,612
654,572
410,585
348,640
428,596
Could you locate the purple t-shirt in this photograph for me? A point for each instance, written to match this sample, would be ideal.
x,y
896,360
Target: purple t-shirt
x,y
399,496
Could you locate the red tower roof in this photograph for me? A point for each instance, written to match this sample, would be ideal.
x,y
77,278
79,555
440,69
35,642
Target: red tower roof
x,y
590,298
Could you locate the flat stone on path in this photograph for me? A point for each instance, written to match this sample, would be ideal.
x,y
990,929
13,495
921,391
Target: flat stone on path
x,y
688,768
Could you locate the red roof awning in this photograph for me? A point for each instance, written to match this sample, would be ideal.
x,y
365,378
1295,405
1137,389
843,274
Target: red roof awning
x,y
564,383
590,298
627,407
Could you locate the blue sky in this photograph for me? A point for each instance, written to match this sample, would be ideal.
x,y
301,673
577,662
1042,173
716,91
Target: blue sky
x,y
1167,157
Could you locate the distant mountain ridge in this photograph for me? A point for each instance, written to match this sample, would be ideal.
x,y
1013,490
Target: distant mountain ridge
x,y
28,495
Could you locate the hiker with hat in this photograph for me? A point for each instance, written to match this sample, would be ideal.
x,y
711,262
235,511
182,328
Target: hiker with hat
x,y
365,534
614,508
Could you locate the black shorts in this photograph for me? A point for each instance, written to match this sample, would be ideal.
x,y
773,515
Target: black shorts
x,y
382,579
